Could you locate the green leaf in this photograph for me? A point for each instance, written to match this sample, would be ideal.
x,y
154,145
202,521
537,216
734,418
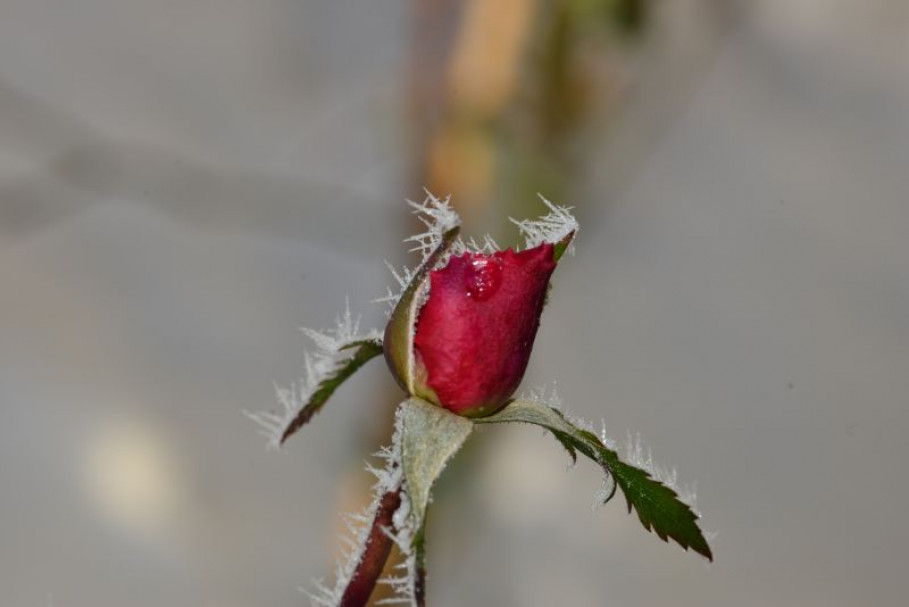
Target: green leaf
x,y
366,350
658,506
431,436
569,447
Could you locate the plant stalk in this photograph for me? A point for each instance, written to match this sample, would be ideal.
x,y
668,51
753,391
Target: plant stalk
x,y
375,554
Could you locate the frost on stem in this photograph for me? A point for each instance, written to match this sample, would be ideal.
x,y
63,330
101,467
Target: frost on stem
x,y
426,437
362,530
337,355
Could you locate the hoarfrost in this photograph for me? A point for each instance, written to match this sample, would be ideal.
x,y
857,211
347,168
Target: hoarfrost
x,y
635,453
640,456
553,227
439,217
327,359
389,477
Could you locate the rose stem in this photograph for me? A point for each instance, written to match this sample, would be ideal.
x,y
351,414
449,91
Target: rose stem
x,y
378,547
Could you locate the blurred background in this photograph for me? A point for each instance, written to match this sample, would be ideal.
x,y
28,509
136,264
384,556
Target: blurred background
x,y
182,184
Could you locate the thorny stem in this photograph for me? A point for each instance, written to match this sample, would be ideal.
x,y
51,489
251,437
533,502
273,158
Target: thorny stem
x,y
378,547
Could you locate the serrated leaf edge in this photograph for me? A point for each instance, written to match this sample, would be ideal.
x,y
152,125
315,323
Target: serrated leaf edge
x,y
626,476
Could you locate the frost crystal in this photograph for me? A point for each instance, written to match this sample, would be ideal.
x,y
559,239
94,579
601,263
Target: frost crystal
x,y
638,455
331,355
325,361
439,217
389,477
635,453
548,396
553,227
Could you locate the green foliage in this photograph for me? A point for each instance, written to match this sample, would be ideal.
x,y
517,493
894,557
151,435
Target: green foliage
x,y
658,506
430,437
365,351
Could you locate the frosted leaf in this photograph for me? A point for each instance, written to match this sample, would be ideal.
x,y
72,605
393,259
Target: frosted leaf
x,y
648,489
548,395
431,437
424,439
339,353
605,494
640,456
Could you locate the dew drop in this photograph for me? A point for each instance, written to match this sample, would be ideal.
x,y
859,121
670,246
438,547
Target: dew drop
x,y
482,278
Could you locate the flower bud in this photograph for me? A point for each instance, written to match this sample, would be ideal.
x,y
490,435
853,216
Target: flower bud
x,y
462,329
475,332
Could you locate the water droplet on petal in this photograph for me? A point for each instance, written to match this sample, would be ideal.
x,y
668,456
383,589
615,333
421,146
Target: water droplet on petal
x,y
482,278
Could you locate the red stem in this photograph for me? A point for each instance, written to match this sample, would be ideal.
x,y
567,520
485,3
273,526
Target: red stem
x,y
421,586
378,547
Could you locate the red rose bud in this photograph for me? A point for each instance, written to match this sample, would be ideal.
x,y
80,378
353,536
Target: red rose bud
x,y
465,344
475,332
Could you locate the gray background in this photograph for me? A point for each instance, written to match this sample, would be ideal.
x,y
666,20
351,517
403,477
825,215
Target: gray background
x,y
184,183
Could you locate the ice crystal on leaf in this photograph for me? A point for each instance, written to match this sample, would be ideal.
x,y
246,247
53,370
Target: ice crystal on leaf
x,y
635,453
428,432
642,457
648,489
333,355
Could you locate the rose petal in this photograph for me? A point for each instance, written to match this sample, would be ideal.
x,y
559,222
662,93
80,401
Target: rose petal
x,y
476,331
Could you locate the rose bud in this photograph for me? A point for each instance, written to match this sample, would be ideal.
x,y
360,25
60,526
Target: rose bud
x,y
465,345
